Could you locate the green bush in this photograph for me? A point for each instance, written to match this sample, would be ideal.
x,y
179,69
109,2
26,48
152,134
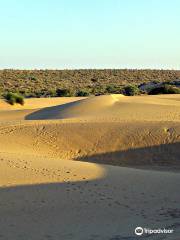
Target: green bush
x,y
52,93
82,93
131,90
11,101
13,98
113,89
64,92
98,90
166,89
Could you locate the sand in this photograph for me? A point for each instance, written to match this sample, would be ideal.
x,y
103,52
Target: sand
x,y
89,168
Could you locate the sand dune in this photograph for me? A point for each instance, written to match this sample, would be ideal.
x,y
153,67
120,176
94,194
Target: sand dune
x,y
111,107
18,112
103,142
68,167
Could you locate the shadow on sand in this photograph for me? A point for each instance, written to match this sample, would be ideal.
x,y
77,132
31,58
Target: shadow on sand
x,y
164,155
55,112
104,209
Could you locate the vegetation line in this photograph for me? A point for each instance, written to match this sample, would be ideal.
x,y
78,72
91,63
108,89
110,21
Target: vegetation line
x,y
66,83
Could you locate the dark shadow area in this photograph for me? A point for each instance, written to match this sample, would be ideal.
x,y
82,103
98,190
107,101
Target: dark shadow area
x,y
163,155
50,112
104,209
109,208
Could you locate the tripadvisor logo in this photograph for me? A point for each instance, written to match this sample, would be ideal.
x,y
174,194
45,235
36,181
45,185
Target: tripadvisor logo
x,y
139,231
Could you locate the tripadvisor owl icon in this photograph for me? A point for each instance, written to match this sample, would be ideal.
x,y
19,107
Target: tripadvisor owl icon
x,y
139,231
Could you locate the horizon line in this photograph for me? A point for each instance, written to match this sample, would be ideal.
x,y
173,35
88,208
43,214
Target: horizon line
x,y
71,69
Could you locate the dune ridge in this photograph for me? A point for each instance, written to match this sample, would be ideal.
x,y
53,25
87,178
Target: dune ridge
x,y
148,108
110,126
78,140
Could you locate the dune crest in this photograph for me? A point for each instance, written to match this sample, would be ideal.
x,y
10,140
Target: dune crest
x,y
114,107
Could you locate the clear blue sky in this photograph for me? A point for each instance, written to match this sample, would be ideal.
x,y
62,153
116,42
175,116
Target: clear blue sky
x,y
90,34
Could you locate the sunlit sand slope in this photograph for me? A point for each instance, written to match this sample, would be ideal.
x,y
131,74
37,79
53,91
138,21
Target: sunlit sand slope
x,y
116,143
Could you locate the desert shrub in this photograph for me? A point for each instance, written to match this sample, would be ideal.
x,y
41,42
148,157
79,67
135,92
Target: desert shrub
x,y
131,90
34,82
34,94
98,90
32,78
13,98
94,79
44,93
171,89
82,93
52,93
19,99
166,89
64,92
38,80
113,89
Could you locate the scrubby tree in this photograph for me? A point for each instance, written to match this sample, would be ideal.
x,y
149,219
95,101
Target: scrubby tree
x,y
82,93
131,90
64,92
166,89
